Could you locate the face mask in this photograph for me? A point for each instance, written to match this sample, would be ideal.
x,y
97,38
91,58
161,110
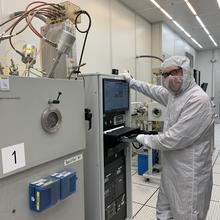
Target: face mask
x,y
173,83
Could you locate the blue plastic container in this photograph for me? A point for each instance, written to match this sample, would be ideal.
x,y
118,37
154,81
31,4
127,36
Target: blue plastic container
x,y
143,162
44,193
67,183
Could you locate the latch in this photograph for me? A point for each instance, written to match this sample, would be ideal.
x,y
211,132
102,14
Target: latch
x,y
55,101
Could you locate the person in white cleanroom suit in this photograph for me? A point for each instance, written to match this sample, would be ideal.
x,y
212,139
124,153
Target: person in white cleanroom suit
x,y
186,179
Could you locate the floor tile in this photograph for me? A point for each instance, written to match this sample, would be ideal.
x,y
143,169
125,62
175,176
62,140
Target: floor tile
x,y
141,193
216,179
141,180
153,200
217,147
134,161
133,172
214,211
214,156
216,168
135,208
146,213
217,136
216,193
218,160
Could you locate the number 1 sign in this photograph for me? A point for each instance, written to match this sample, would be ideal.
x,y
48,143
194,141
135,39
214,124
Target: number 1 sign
x,y
13,158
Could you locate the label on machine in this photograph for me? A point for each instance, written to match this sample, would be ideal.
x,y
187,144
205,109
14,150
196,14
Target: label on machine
x,y
13,158
4,84
73,159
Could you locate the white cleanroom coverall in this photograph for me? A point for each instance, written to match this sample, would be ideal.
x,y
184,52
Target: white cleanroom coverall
x,y
186,179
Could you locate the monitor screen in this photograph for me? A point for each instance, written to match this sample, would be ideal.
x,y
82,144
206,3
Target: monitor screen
x,y
115,95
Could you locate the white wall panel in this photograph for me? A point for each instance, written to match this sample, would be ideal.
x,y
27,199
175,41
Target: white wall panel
x,y
173,44
217,81
97,51
123,37
143,47
205,66
168,39
156,48
207,69
131,36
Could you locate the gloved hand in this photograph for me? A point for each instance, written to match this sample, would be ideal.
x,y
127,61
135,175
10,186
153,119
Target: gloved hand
x,y
142,138
126,75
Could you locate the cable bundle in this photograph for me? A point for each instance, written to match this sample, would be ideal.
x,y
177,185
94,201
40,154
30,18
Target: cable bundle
x,y
38,9
49,13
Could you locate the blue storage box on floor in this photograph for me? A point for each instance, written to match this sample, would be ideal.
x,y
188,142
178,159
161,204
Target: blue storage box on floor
x,y
143,162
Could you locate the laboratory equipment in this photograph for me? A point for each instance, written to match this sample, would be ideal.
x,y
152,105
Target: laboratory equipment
x,y
29,152
107,157
65,53
58,51
29,54
156,112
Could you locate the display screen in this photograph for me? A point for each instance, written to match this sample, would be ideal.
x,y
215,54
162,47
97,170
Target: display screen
x,y
115,95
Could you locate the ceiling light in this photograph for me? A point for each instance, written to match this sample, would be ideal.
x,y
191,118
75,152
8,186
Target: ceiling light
x,y
207,32
218,3
187,34
155,3
178,25
196,42
164,12
213,40
191,7
200,21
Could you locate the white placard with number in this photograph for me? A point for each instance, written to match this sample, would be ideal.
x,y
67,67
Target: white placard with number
x,y
13,158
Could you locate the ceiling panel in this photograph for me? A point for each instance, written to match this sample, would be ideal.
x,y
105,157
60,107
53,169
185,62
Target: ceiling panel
x,y
152,15
168,2
207,9
211,20
182,15
215,33
202,38
179,32
138,4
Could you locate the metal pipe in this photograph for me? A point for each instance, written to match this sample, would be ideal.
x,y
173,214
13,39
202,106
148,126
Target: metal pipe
x,y
149,56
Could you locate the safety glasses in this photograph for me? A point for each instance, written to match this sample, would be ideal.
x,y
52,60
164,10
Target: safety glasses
x,y
175,72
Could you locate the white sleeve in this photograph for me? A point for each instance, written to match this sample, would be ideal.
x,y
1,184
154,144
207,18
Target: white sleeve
x,y
196,117
157,93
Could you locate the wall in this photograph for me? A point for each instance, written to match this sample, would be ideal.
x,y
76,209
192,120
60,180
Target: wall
x,y
143,47
173,44
156,35
209,65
